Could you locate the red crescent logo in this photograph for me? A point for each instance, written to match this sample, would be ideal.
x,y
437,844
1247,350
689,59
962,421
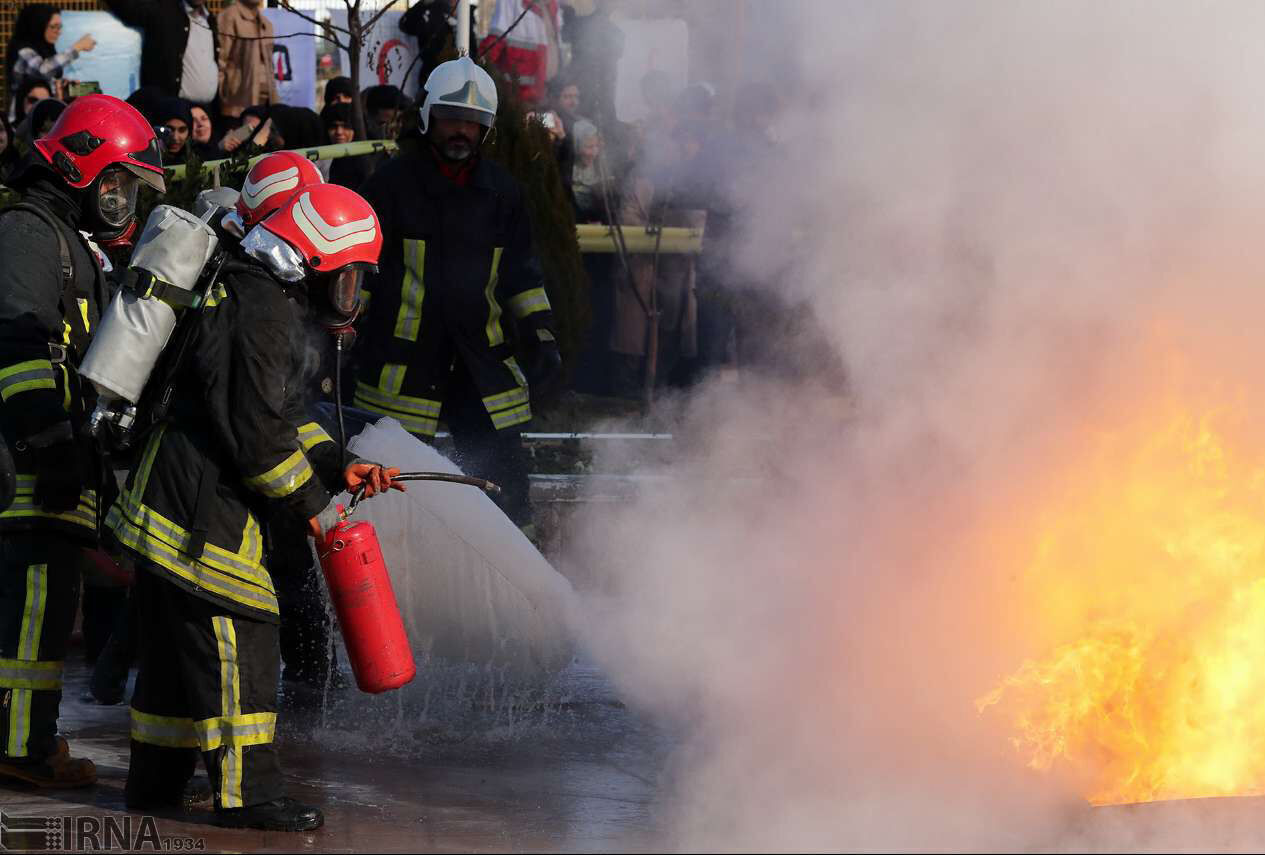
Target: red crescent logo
x,y
382,59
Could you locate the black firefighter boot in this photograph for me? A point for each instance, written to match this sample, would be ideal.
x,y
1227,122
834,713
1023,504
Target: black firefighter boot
x,y
283,814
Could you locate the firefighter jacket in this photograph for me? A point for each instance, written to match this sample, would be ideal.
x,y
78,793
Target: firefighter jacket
x,y
43,402
236,448
455,260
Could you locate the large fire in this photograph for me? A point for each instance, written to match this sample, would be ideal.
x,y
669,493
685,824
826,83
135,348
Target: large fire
x,y
1149,572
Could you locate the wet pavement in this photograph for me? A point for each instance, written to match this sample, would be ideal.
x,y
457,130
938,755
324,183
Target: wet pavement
x,y
458,761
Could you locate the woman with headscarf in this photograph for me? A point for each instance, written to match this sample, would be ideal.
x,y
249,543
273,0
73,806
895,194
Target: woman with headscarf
x,y
340,128
202,140
29,92
32,50
174,115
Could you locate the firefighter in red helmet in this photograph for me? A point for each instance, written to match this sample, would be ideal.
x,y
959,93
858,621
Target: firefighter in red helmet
x,y
236,449
83,176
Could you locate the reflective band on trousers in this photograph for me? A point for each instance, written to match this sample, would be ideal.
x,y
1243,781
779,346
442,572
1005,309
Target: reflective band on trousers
x,y
284,478
29,632
26,377
207,734
38,676
167,731
230,708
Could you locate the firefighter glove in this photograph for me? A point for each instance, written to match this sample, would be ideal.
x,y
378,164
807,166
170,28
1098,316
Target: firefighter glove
x,y
545,370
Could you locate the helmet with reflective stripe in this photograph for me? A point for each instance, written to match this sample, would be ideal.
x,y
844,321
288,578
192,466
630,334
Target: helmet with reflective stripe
x,y
99,131
459,89
272,181
329,226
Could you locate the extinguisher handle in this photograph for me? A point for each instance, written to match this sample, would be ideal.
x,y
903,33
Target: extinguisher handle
x,y
482,483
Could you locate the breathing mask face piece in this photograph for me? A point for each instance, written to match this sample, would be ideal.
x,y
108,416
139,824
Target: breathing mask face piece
x,y
336,297
116,197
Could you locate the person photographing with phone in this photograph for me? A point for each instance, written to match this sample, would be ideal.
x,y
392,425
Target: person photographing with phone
x,y
32,51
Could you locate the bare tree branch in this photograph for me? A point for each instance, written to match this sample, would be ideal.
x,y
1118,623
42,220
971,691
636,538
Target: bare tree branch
x,y
321,25
373,19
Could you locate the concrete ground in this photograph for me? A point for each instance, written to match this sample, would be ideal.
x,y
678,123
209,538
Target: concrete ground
x,y
468,766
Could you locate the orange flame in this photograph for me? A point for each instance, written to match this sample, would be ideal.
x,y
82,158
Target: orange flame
x,y
1152,563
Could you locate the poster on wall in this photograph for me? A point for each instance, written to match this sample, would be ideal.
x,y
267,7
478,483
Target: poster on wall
x,y
294,58
388,55
115,62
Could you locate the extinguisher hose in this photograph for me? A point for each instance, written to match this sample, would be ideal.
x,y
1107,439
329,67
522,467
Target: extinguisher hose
x,y
482,483
338,399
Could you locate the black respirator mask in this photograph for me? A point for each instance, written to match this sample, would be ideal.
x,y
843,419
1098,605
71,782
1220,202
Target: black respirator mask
x,y
111,202
335,298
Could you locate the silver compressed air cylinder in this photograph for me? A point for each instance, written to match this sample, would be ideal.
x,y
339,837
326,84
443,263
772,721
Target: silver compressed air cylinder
x,y
173,247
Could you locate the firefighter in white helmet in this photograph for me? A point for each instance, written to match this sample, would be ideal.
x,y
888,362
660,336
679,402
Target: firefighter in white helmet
x,y
457,270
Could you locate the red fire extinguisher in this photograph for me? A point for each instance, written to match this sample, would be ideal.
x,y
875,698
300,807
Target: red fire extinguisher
x,y
360,588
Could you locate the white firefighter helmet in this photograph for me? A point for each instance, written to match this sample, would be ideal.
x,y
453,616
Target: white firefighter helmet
x,y
462,90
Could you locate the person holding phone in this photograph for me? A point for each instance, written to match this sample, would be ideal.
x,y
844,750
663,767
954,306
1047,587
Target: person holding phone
x,y
32,51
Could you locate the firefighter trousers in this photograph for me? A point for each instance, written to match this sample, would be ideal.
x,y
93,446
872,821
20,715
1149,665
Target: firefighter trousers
x,y
485,452
207,683
39,592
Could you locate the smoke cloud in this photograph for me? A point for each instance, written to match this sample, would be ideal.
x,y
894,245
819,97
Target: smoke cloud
x,y
1020,225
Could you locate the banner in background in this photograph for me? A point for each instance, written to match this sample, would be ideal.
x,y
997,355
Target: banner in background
x,y
387,55
115,62
294,58
650,44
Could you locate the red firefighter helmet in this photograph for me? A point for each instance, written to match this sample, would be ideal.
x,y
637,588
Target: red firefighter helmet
x,y
336,234
99,131
272,181
330,226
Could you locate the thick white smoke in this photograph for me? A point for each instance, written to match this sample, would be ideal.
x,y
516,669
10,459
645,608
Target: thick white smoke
x,y
1005,214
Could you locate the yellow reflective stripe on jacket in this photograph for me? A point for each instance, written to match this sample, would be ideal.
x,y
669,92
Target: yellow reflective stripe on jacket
x,y
512,398
391,380
412,291
509,418
164,730
312,435
245,564
529,302
415,421
24,506
26,377
207,572
396,401
496,335
21,674
284,478
236,731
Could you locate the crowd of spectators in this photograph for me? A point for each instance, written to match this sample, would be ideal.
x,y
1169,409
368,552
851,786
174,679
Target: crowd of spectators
x,y
208,85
